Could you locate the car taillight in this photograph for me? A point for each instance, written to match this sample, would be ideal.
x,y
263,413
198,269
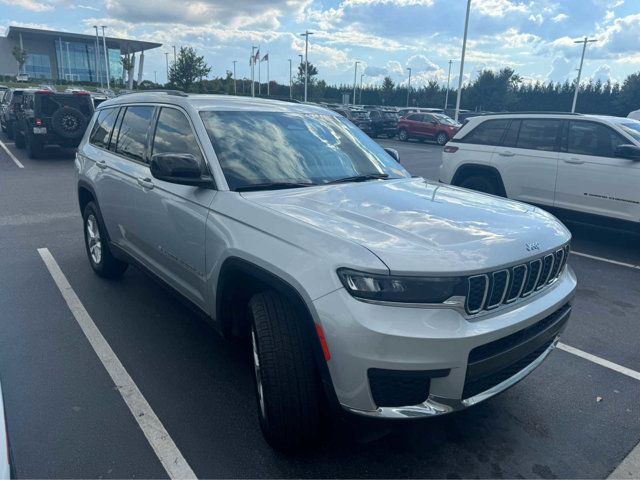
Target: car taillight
x,y
450,149
38,122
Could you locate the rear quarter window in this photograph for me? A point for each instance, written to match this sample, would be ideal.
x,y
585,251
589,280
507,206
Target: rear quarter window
x,y
102,128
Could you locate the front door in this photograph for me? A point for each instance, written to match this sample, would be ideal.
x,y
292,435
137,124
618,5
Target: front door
x,y
429,126
591,179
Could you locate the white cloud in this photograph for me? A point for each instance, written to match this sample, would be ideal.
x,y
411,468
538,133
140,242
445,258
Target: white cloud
x,y
561,17
498,8
393,66
602,74
31,5
561,68
538,19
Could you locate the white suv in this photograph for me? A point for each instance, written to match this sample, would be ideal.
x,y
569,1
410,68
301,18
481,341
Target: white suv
x,y
357,286
583,163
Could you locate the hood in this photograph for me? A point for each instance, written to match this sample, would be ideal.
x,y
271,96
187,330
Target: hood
x,y
417,226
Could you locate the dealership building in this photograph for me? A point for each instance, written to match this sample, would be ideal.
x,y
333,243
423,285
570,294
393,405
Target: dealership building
x,y
75,57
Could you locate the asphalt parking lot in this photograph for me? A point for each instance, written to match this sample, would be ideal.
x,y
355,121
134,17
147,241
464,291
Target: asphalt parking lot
x,y
574,417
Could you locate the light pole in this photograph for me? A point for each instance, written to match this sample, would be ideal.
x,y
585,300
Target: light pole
x,y
408,86
98,55
253,70
584,48
175,57
355,80
235,83
464,48
155,77
166,57
106,58
306,60
361,88
446,96
290,81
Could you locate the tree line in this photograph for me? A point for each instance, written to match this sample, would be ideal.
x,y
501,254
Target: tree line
x,y
493,91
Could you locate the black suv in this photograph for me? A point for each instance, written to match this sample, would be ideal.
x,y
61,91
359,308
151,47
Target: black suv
x,y
383,122
50,118
9,107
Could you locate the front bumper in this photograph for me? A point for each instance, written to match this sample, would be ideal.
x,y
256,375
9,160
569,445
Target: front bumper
x,y
364,337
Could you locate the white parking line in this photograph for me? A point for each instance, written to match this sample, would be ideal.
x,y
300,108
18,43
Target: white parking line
x,y
163,445
11,155
600,361
608,260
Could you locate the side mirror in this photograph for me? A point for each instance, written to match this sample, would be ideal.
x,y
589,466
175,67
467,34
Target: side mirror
x,y
180,168
394,154
632,152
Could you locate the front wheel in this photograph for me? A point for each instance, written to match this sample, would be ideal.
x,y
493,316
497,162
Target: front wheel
x,y
100,257
403,135
442,138
288,386
19,138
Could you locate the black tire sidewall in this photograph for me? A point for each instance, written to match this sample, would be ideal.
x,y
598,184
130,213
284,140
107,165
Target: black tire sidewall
x,y
442,135
480,184
403,133
56,122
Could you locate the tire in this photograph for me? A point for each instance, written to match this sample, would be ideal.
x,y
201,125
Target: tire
x,y
288,388
19,138
69,123
391,135
403,136
100,257
34,147
480,184
442,138
9,130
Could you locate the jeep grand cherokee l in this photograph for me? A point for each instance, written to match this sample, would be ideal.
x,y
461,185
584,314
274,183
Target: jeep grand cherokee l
x,y
357,286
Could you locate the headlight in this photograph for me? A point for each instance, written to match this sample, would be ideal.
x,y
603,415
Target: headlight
x,y
391,288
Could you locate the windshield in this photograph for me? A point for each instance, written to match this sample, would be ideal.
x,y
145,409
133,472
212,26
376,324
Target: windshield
x,y
445,119
632,127
275,147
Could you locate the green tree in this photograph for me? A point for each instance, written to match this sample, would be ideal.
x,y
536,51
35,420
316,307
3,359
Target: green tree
x,y
187,69
312,70
387,90
21,57
127,64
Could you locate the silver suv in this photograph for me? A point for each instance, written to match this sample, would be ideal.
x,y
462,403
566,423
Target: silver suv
x,y
359,287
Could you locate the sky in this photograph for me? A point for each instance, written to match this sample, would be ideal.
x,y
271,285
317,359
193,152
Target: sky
x,y
534,37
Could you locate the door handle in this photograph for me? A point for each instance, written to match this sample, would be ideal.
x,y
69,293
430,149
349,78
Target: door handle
x,y
507,154
101,164
145,182
574,161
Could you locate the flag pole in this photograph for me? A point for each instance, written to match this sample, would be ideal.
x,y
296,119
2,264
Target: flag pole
x,y
268,86
259,74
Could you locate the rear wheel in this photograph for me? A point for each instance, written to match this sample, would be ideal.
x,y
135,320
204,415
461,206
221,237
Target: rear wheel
x,y
100,257
442,138
288,387
35,148
403,136
19,138
9,129
480,184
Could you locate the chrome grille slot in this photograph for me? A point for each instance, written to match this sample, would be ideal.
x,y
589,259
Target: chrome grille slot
x,y
547,266
535,268
558,260
499,284
477,294
518,277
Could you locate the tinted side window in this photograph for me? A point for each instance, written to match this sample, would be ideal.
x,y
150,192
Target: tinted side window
x,y
416,117
374,115
133,132
511,137
101,132
174,134
487,133
539,134
589,138
429,118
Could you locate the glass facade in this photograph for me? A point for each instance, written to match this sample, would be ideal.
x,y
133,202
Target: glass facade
x,y
38,66
77,62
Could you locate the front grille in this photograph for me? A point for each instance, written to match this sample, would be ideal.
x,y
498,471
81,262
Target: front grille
x,y
401,388
490,290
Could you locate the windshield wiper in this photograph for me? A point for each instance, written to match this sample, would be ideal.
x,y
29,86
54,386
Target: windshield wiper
x,y
273,186
361,178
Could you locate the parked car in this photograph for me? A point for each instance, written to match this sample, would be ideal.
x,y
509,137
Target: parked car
x,y
51,119
22,77
383,122
426,126
358,287
403,112
360,118
11,104
580,163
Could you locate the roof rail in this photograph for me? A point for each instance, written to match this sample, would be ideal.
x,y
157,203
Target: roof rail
x,y
177,93
542,112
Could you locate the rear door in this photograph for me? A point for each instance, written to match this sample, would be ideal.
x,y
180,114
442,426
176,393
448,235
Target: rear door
x,y
414,125
429,125
591,178
527,159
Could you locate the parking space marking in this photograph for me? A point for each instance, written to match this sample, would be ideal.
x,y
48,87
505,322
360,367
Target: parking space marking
x,y
608,260
163,445
11,155
629,468
600,361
